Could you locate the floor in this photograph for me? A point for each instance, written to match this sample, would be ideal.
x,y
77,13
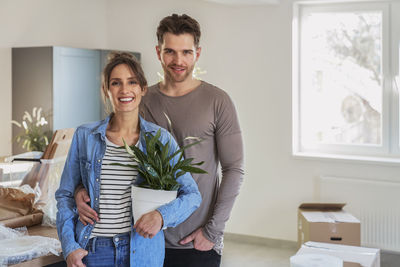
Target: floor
x,y
243,251
239,254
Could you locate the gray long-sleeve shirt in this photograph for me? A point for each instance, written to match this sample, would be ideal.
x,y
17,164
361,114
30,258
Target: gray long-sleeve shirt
x,y
206,112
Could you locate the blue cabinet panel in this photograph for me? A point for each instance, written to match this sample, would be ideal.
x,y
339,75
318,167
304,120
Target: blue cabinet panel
x,y
76,87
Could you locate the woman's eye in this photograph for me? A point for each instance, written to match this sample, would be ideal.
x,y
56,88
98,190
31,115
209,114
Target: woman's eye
x,y
132,82
114,83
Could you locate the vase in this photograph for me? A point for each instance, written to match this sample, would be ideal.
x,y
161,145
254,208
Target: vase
x,y
145,200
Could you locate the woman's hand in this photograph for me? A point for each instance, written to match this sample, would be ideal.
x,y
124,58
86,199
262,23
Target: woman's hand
x,y
74,259
86,213
149,224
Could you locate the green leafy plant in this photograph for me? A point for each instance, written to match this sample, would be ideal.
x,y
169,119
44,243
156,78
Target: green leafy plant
x,y
35,135
155,167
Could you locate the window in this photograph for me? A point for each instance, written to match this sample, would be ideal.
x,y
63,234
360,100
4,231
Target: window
x,y
345,63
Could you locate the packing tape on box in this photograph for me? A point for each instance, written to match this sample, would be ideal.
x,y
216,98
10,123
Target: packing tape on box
x,y
315,260
337,249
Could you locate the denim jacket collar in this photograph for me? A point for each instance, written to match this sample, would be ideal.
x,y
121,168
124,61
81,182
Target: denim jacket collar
x,y
102,127
145,127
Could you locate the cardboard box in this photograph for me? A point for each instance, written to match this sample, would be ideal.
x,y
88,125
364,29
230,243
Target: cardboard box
x,y
327,223
351,255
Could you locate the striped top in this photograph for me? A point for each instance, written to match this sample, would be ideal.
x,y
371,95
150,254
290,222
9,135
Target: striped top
x,y
115,192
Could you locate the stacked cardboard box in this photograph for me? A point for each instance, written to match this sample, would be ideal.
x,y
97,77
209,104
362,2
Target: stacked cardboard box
x,y
352,256
334,232
329,223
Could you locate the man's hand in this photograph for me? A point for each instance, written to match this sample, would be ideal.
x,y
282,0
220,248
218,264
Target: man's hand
x,y
74,259
200,242
149,224
86,213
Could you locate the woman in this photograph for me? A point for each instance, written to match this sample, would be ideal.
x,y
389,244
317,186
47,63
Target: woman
x,y
112,241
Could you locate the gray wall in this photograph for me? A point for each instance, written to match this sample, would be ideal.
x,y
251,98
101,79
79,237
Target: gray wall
x,y
32,84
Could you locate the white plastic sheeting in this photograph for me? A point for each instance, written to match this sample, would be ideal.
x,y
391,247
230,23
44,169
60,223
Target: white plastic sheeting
x,y
17,246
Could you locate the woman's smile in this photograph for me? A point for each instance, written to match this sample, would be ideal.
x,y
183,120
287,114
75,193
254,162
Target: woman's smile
x,y
126,100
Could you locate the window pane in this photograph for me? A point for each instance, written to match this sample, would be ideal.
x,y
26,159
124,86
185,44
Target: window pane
x,y
341,78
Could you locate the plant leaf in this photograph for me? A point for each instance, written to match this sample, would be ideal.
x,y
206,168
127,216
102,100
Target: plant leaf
x,y
179,174
181,150
127,148
193,169
126,165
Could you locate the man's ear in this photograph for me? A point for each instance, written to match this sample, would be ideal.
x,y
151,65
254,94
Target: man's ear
x,y
158,50
198,52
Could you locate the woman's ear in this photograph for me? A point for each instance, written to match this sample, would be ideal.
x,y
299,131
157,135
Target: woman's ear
x,y
144,91
105,92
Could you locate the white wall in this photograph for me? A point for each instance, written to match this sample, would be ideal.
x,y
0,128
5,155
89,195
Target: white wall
x,y
247,52
5,101
25,23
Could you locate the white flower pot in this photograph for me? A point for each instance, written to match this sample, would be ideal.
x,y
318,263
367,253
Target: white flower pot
x,y
145,200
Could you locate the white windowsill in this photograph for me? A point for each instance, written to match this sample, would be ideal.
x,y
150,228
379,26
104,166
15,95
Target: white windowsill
x,y
387,161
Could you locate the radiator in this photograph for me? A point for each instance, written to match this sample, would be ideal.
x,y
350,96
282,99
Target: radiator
x,y
375,202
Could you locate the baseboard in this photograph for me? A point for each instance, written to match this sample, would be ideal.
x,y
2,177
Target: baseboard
x,y
261,241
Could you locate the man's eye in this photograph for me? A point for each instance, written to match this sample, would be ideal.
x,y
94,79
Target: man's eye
x,y
188,52
168,51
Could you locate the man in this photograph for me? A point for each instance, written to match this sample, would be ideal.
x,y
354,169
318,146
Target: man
x,y
194,108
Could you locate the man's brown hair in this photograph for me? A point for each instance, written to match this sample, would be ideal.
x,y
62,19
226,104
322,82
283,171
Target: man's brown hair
x,y
179,24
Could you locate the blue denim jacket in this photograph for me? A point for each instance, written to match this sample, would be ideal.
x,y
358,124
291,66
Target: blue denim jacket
x,y
83,166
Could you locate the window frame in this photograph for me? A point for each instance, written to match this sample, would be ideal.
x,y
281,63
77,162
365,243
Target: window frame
x,y
389,150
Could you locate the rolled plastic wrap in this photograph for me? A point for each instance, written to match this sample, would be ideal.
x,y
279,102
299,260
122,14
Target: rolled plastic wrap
x,y
17,246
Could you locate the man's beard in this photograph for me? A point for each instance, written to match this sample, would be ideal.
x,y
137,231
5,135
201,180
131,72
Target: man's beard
x,y
170,76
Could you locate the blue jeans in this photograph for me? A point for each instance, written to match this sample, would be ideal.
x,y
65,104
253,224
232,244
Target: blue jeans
x,y
108,251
